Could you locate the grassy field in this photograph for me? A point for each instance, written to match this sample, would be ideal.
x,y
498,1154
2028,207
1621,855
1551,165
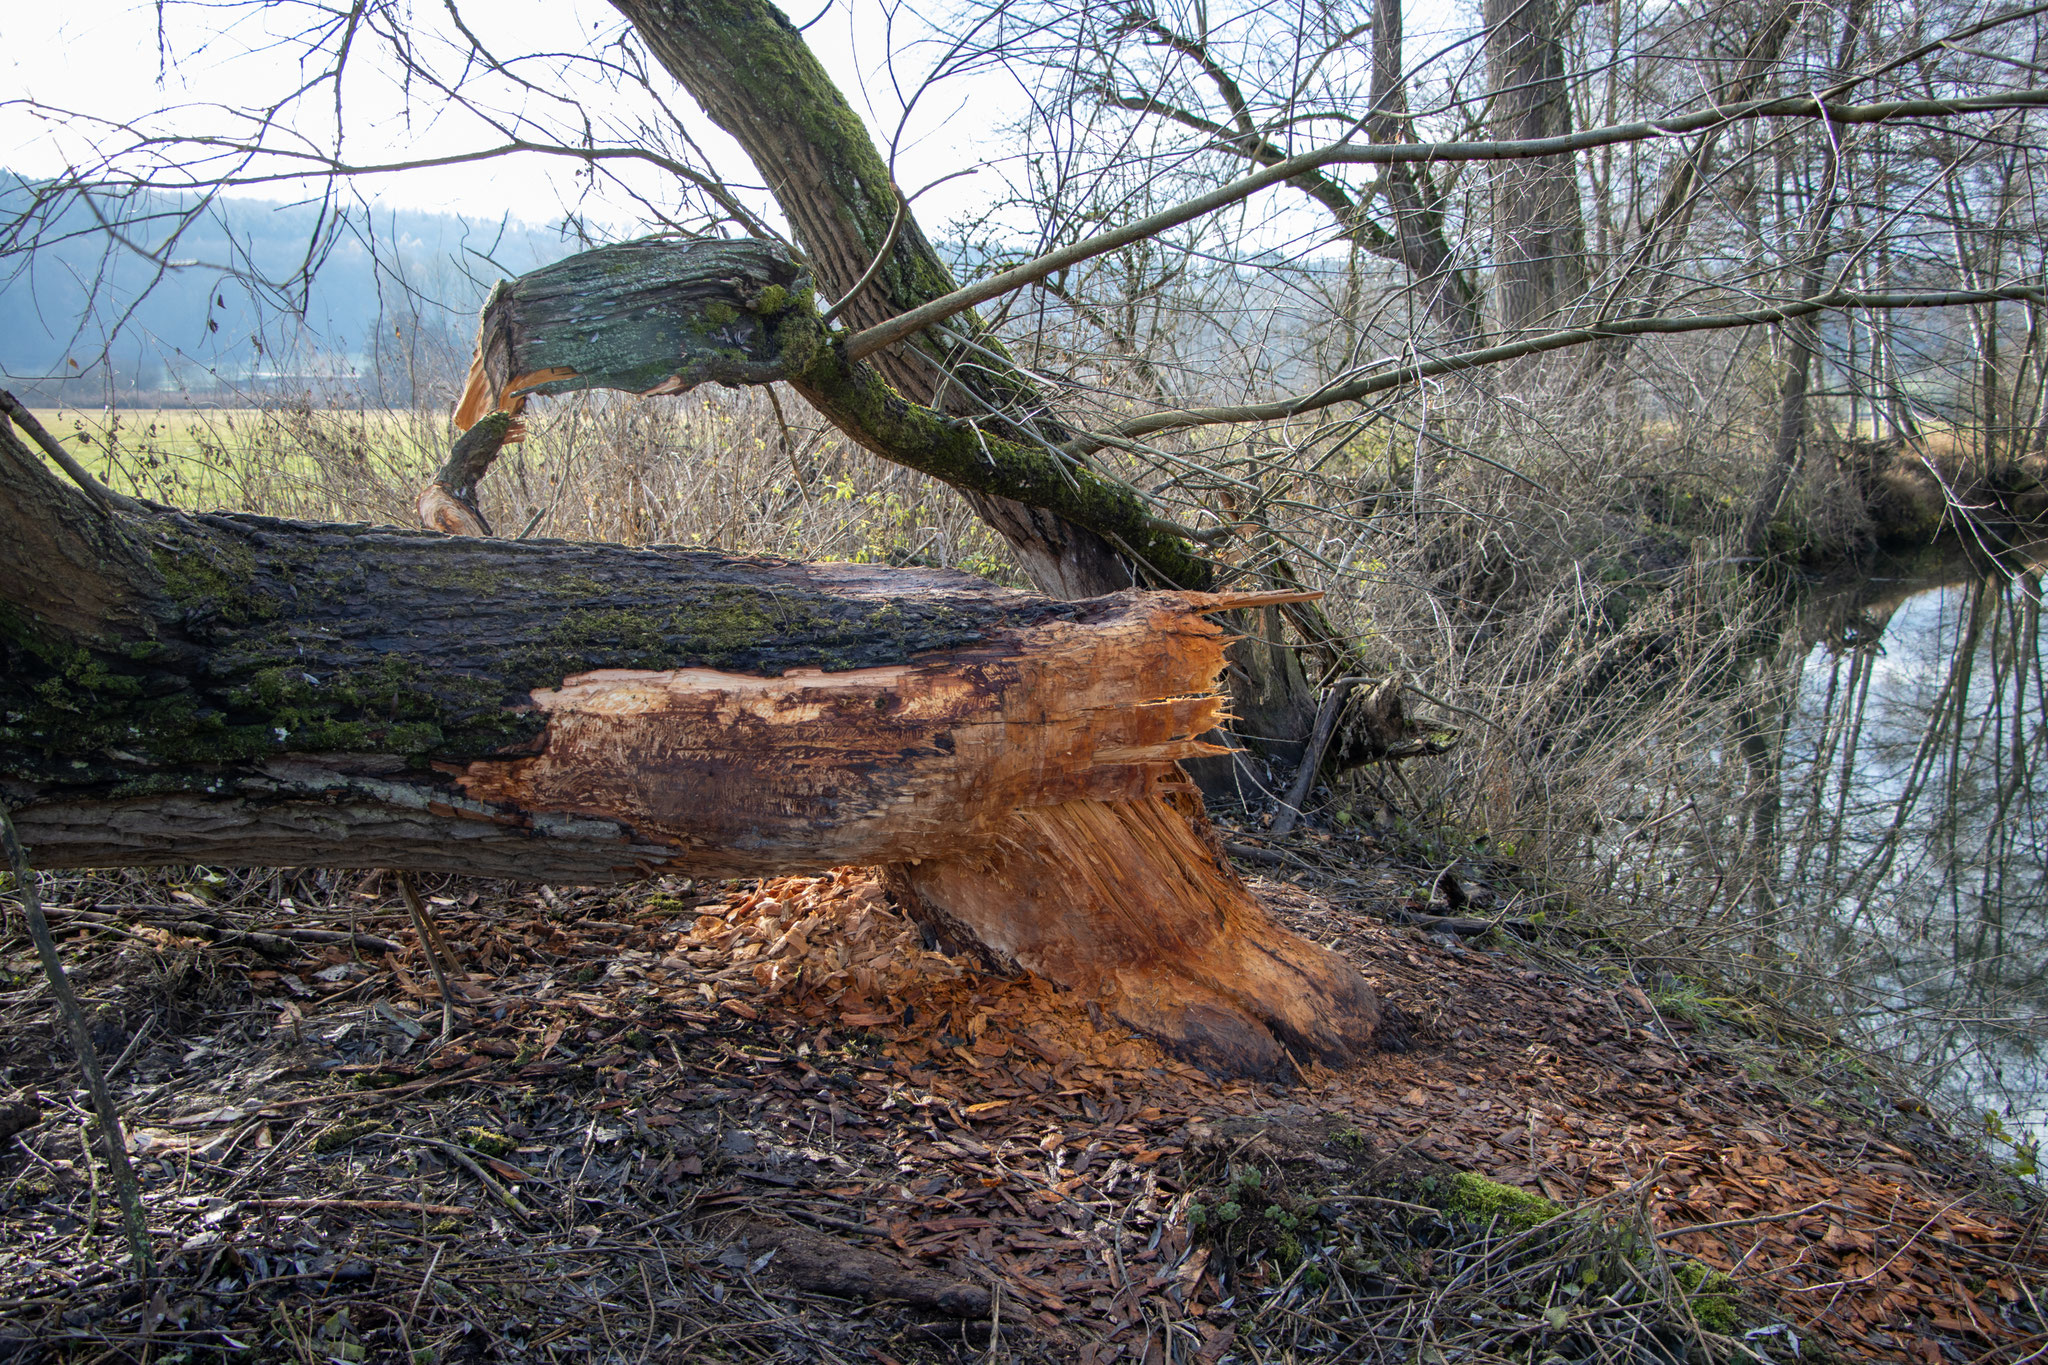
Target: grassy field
x,y
720,470
254,459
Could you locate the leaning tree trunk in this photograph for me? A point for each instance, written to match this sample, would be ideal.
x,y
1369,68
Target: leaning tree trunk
x,y
750,70
238,689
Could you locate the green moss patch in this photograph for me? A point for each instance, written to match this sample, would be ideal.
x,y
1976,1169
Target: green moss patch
x,y
1479,1200
340,1135
1309,1220
487,1142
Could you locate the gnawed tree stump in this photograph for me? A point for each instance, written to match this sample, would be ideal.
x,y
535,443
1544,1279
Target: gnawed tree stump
x,y
1135,903
244,690
1130,901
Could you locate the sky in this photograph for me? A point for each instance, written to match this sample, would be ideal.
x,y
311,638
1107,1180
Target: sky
x,y
82,76
101,57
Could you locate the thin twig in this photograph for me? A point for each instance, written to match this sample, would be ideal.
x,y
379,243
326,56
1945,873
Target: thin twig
x,y
400,1205
468,1163
111,1139
134,1045
904,324
107,499
875,266
271,942
1743,1222
427,944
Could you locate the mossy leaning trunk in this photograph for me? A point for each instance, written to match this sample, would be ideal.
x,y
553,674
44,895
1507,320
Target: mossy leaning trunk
x,y
239,689
751,72
661,316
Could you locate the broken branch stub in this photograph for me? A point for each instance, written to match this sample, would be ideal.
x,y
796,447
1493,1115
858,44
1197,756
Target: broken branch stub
x,y
652,316
448,502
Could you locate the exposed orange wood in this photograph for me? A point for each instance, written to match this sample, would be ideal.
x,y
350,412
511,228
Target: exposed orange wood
x,y
479,398
1231,601
926,759
515,389
1026,795
1133,904
440,511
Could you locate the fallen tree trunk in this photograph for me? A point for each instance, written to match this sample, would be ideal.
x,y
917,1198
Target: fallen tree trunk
x,y
243,690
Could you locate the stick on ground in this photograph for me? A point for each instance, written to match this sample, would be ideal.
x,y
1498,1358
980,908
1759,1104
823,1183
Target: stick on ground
x,y
111,1138
1312,757
428,940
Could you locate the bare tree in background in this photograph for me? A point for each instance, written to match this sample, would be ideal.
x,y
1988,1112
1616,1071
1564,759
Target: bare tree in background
x,y
1539,238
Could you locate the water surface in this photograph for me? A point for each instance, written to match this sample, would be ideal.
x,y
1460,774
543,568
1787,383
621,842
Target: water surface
x,y
1912,829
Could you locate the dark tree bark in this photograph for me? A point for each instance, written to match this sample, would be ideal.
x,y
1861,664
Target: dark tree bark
x,y
238,689
1418,240
752,73
1538,233
661,316
1802,335
448,502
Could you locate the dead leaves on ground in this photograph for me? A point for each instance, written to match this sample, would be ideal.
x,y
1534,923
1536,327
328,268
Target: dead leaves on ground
x,y
793,1049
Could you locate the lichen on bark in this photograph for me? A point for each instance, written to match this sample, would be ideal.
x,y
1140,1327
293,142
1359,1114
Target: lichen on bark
x,y
656,313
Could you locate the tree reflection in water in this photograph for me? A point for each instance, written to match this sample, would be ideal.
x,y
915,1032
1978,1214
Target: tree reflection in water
x,y
1869,827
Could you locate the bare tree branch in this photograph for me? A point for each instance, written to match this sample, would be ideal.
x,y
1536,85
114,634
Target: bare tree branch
x,y
1349,392
867,342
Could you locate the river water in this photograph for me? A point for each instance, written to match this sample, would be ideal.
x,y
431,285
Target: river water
x,y
1911,822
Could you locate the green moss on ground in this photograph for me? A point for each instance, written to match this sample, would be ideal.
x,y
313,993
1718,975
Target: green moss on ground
x,y
1712,1295
340,1135
487,1142
1479,1200
1314,1218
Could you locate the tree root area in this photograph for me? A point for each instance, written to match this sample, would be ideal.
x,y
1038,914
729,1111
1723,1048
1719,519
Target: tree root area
x,y
766,1122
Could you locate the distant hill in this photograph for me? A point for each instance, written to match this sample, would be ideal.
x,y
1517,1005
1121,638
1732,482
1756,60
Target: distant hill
x,y
393,300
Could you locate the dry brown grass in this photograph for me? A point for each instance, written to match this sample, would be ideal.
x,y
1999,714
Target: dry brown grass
x,y
716,469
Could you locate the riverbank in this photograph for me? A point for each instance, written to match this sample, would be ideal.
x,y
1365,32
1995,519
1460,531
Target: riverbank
x,y
679,1123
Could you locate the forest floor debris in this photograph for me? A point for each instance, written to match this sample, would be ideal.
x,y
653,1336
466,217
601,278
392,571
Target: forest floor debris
x,y
763,1122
